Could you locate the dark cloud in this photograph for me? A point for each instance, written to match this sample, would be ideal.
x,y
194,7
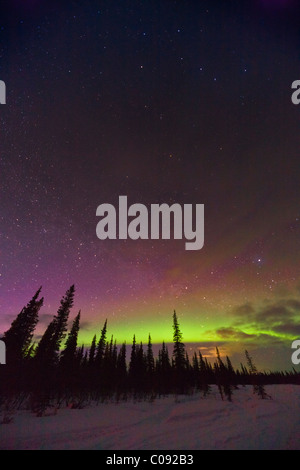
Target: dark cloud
x,y
280,317
238,335
290,328
265,339
273,313
270,325
234,333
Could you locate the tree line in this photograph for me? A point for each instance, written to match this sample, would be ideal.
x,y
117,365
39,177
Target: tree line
x,y
57,369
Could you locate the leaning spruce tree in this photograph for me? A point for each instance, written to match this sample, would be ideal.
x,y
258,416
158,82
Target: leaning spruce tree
x,y
258,388
18,338
49,345
68,356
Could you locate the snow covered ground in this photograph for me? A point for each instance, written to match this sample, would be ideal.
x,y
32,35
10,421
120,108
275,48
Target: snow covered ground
x,y
188,423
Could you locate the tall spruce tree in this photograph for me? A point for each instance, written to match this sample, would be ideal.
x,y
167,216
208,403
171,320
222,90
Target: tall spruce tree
x,y
164,360
49,345
150,357
179,356
101,345
61,319
68,355
195,363
223,377
19,336
92,350
258,388
132,363
205,375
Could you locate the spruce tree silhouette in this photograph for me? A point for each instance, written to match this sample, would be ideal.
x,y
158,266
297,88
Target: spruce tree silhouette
x,y
150,357
205,375
179,348
92,351
48,348
19,336
101,345
179,358
132,372
68,355
132,364
223,378
51,373
258,387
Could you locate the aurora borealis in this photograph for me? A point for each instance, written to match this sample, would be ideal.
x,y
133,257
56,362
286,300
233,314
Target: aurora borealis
x,y
164,102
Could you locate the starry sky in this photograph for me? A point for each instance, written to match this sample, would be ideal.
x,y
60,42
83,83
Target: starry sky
x,y
166,102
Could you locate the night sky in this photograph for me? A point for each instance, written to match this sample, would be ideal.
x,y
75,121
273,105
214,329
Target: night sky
x,y
164,102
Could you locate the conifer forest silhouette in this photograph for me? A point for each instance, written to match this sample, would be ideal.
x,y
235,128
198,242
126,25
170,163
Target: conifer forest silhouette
x,y
58,370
